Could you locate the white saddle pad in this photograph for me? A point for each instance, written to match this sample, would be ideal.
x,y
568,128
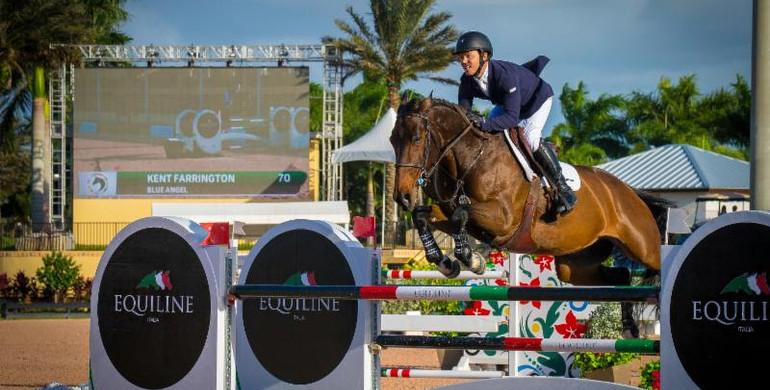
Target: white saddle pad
x,y
570,175
569,172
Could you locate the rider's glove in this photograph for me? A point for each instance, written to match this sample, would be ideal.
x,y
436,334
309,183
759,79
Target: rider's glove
x,y
476,119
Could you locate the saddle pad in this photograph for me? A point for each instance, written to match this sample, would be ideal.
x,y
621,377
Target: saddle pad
x,y
569,172
570,175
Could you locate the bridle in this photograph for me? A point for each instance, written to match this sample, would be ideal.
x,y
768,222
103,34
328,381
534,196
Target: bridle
x,y
427,173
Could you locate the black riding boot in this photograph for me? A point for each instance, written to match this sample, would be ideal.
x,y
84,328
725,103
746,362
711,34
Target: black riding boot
x,y
547,159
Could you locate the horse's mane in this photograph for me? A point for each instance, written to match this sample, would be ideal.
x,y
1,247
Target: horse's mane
x,y
413,105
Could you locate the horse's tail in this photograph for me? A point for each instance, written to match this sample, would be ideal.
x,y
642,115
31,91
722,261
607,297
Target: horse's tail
x,y
659,208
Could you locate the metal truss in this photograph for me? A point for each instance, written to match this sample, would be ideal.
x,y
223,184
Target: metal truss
x,y
209,53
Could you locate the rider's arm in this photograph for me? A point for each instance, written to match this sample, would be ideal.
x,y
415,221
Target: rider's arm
x,y
465,95
510,117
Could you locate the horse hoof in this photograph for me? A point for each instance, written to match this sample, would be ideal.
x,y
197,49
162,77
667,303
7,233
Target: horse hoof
x,y
478,264
629,335
630,332
449,268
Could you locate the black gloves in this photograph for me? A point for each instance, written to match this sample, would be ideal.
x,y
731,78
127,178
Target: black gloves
x,y
476,119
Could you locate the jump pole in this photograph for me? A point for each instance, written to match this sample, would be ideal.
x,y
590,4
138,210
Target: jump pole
x,y
418,274
451,293
642,346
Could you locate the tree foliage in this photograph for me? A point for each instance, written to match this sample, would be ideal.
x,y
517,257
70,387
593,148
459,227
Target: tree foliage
x,y
403,41
614,126
30,31
58,274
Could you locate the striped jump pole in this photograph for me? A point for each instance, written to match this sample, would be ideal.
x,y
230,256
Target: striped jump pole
x,y
464,275
393,372
650,347
451,293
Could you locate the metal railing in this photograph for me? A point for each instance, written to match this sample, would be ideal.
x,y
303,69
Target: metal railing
x,y
47,237
97,235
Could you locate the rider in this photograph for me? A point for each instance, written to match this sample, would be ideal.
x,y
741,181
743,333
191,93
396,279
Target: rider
x,y
520,96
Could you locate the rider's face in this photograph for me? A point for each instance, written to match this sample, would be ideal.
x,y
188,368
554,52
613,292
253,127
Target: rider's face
x,y
470,61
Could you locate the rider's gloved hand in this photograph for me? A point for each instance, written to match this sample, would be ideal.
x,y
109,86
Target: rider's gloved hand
x,y
476,119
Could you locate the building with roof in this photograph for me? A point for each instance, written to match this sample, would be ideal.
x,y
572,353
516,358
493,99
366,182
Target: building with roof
x,y
703,183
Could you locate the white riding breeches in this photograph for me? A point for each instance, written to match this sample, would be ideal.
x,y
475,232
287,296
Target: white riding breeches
x,y
533,126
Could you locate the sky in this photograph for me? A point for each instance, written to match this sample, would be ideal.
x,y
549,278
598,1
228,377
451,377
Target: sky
x,y
612,46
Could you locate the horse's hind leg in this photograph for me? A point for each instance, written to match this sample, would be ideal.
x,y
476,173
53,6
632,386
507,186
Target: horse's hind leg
x,y
585,268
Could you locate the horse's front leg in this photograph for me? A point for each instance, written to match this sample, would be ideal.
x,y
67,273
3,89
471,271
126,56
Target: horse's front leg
x,y
448,267
463,252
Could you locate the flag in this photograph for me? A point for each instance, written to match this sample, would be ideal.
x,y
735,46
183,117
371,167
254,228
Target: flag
x,y
364,227
238,228
219,233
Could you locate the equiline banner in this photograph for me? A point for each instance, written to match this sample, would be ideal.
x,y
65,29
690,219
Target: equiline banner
x,y
156,309
717,324
304,341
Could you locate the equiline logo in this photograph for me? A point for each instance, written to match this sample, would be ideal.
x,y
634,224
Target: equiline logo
x,y
141,303
298,306
740,305
751,284
160,280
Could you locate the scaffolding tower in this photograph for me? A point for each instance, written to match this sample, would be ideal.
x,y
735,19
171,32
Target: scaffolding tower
x,y
60,85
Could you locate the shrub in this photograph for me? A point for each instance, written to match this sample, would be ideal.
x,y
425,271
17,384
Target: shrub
x,y
58,274
651,375
425,307
7,243
604,323
81,291
4,286
591,361
22,287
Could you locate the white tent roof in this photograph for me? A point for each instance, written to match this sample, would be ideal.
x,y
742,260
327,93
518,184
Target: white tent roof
x,y
372,146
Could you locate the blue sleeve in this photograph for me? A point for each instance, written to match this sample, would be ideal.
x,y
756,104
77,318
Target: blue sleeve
x,y
509,118
464,96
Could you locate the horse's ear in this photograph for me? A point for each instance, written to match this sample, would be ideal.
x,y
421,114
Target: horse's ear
x,y
404,98
425,105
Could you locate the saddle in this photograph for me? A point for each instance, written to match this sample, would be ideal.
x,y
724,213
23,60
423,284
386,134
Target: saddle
x,y
520,142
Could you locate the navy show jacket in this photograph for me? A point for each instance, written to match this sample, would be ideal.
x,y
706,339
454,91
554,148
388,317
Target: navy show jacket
x,y
518,88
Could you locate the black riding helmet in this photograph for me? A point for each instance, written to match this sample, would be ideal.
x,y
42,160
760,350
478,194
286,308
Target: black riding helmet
x,y
474,40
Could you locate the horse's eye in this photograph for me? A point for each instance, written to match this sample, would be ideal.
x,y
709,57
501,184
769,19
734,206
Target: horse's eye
x,y
416,138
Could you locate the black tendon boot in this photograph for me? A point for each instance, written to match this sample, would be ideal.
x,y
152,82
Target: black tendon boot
x,y
547,159
448,267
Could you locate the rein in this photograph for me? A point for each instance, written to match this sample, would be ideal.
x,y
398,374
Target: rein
x,y
425,174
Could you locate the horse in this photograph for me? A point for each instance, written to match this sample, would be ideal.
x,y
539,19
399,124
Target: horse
x,y
473,177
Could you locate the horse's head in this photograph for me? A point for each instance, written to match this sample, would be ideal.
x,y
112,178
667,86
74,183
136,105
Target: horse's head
x,y
419,143
410,139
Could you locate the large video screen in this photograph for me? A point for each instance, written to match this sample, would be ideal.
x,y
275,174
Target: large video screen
x,y
191,132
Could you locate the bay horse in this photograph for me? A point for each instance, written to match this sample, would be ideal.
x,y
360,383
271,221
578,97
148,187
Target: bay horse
x,y
472,177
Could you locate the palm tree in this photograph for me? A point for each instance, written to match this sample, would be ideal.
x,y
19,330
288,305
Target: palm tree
x,y
670,115
404,42
594,130
27,30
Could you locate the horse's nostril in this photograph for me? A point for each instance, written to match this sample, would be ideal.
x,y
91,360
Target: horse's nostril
x,y
405,200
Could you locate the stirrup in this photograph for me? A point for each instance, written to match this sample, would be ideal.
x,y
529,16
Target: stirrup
x,y
564,206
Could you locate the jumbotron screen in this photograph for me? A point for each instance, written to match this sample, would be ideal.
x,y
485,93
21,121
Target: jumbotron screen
x,y
191,132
